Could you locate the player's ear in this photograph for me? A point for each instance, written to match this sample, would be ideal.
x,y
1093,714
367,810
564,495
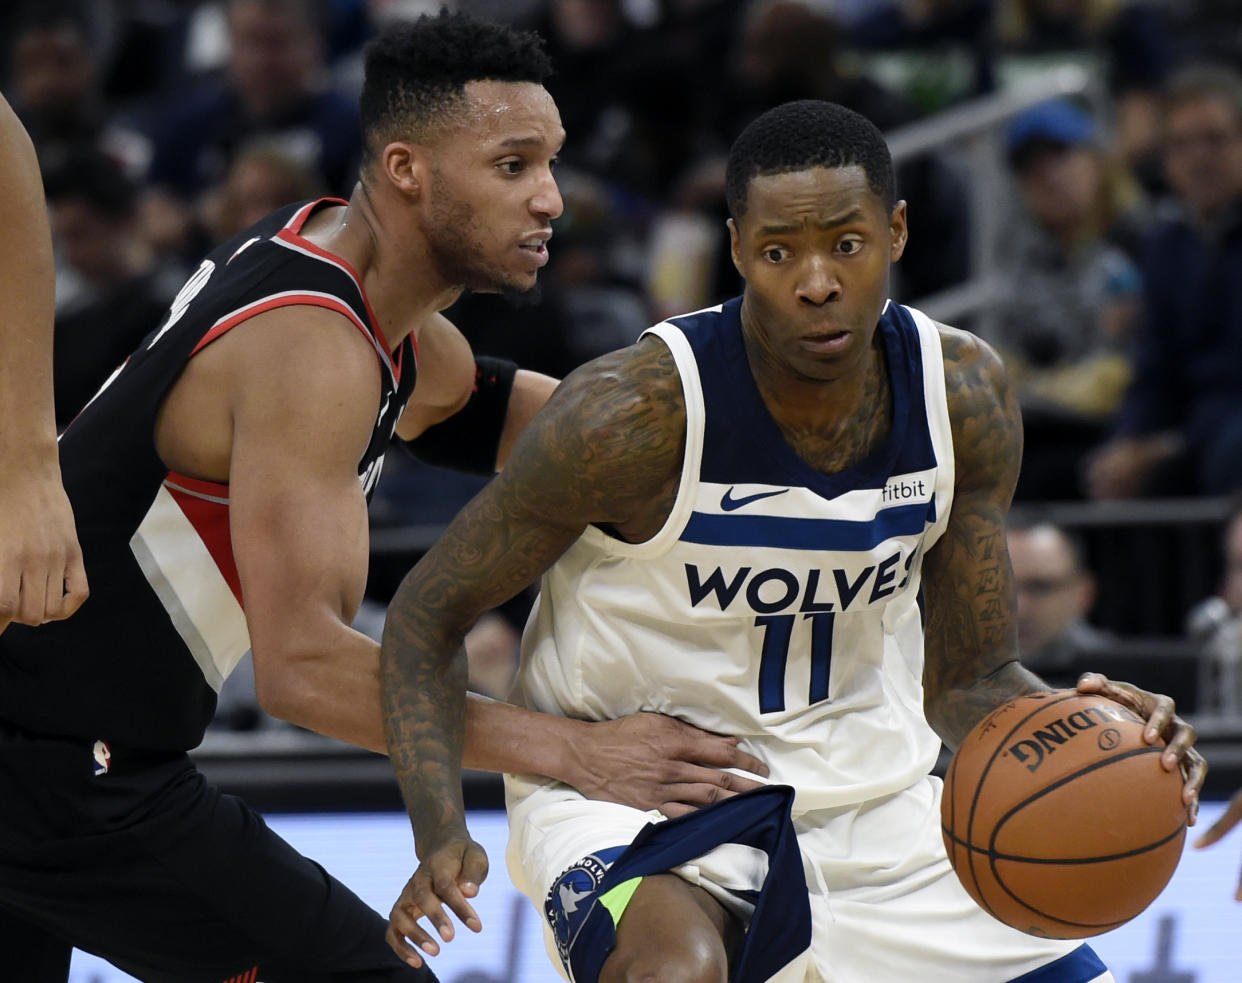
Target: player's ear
x,y
735,247
897,227
405,166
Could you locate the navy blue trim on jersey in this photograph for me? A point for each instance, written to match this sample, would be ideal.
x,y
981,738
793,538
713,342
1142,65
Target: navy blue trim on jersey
x,y
743,444
785,532
780,928
1080,966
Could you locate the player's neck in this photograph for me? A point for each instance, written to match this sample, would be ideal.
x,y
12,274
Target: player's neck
x,y
824,404
833,425
402,285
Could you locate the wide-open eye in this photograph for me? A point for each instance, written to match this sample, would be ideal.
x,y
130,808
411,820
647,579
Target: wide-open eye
x,y
849,245
775,254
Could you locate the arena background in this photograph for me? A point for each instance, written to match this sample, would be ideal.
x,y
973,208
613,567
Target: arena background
x,y
643,236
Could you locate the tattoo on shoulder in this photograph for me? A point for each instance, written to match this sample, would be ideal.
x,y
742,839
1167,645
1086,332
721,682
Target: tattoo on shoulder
x,y
983,409
608,447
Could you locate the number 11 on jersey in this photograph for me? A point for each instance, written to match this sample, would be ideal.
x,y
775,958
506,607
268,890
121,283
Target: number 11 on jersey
x,y
774,657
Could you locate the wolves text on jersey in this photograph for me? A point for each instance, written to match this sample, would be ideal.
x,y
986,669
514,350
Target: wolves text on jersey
x,y
776,589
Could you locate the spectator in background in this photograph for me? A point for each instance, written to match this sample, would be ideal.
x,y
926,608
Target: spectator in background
x,y
1127,44
274,88
262,177
120,292
592,45
1055,592
1180,427
1071,293
56,90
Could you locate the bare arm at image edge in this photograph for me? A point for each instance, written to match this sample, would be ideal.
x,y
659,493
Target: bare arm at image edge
x,y
41,573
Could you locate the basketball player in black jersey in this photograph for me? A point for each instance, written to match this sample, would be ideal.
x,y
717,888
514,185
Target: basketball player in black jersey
x,y
219,481
41,575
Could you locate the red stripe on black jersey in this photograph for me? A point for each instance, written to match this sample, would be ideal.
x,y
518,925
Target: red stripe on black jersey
x,y
206,505
290,237
273,302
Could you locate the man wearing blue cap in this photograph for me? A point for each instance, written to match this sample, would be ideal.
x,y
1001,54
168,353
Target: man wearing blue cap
x,y
1058,123
1071,293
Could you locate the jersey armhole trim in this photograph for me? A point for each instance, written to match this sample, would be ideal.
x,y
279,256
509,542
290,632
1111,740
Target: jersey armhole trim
x,y
940,425
209,491
296,298
679,514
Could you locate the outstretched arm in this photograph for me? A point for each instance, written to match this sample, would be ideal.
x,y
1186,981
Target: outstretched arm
x,y
606,446
41,573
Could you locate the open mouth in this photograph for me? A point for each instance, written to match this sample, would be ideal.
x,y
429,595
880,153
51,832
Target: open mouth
x,y
537,248
826,342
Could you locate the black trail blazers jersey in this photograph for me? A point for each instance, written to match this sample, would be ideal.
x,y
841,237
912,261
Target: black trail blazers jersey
x,y
141,661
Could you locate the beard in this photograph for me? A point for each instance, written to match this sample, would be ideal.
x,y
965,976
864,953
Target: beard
x,y
521,296
456,239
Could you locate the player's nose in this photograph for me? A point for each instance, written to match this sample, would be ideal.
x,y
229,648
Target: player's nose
x,y
546,201
818,283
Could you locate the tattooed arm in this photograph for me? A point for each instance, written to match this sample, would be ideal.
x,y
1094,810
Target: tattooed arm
x,y
971,662
606,449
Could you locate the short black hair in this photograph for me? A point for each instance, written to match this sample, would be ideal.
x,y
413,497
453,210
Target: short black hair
x,y
90,176
1204,80
416,71
1031,519
313,13
803,134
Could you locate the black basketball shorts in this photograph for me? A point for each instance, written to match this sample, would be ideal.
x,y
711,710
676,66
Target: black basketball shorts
x,y
132,856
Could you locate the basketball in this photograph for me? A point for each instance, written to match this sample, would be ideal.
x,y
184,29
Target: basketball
x,y
1058,817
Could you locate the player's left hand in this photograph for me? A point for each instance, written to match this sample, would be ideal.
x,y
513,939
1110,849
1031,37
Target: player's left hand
x,y
42,577
450,873
1230,818
1163,725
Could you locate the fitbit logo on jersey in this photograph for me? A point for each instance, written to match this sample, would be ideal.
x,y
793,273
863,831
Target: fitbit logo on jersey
x,y
1046,738
897,491
776,589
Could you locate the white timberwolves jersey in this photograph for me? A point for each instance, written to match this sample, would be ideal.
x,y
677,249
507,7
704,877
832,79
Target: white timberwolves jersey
x,y
776,604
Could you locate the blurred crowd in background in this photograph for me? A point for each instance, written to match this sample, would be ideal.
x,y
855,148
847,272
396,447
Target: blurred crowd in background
x,y
165,127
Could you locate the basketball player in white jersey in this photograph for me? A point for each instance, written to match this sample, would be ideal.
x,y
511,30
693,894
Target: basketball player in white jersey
x,y
41,574
782,519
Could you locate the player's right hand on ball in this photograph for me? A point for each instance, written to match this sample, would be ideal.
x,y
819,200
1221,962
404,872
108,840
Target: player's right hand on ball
x,y
450,872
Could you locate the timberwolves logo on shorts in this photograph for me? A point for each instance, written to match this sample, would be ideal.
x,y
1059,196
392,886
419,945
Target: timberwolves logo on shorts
x,y
572,895
103,757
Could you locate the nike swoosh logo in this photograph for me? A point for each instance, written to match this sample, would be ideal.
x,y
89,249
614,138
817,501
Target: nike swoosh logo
x,y
729,503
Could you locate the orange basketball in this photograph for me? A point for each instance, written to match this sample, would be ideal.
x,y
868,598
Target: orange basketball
x,y
1058,817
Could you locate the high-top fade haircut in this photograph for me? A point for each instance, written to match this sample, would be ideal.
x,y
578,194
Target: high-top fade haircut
x,y
416,73
808,133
